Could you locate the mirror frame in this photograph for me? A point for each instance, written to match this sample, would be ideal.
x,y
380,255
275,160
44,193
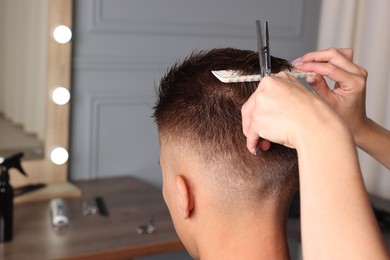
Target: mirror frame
x,y
57,116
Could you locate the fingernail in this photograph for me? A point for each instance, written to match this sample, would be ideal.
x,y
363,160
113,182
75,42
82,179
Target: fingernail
x,y
256,152
297,62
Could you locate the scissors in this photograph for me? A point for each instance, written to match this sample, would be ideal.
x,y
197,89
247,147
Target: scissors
x,y
263,48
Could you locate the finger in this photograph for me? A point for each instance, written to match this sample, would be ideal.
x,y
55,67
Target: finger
x,y
248,107
341,59
327,54
246,113
346,52
320,86
252,141
249,124
334,73
283,75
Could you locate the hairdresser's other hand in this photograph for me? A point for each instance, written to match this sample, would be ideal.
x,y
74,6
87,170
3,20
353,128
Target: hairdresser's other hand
x,y
347,98
284,111
348,95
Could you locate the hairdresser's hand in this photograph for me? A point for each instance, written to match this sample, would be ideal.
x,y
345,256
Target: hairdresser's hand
x,y
348,95
347,98
283,111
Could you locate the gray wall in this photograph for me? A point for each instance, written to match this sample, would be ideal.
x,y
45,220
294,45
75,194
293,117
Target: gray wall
x,y
121,50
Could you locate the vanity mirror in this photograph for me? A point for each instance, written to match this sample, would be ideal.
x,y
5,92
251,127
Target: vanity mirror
x,y
35,70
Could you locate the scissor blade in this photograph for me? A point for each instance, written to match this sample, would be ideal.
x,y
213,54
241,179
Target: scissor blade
x,y
263,48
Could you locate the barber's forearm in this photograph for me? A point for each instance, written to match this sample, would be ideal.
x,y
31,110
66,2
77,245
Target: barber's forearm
x,y
375,140
337,220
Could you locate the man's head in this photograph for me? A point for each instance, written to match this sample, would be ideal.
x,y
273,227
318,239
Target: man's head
x,y
203,149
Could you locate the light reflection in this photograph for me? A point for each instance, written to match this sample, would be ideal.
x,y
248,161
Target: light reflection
x,y
60,95
62,34
59,155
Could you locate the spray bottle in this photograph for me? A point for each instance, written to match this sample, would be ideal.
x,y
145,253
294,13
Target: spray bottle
x,y
7,195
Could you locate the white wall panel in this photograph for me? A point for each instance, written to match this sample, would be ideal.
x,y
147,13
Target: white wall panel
x,y
112,116
203,18
110,119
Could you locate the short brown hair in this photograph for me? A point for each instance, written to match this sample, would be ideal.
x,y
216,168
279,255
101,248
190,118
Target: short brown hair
x,y
194,107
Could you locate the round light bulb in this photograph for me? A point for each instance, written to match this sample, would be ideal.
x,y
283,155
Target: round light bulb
x,y
62,34
60,96
59,155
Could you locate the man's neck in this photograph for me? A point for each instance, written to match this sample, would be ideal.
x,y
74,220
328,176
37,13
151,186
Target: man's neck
x,y
247,237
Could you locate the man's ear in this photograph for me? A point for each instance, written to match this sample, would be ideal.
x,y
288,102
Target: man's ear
x,y
185,198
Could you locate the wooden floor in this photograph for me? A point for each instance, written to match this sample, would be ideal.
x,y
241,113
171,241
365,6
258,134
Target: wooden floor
x,y
13,140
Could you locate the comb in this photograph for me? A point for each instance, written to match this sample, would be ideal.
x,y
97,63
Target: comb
x,y
232,76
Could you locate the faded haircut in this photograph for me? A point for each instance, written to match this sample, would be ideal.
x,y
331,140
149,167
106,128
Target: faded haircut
x,y
203,115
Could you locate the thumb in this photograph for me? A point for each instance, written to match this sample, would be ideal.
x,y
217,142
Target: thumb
x,y
320,86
